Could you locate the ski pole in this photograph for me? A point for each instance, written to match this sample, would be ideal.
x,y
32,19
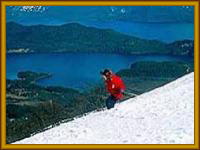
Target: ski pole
x,y
130,94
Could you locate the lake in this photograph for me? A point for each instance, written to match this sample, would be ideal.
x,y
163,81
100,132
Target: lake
x,y
166,32
75,70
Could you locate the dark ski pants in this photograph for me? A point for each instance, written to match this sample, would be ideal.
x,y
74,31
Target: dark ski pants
x,y
110,102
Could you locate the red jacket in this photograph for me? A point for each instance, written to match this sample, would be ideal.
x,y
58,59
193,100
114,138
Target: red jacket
x,y
115,86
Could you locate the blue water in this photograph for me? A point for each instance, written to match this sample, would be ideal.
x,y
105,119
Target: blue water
x,y
75,70
166,32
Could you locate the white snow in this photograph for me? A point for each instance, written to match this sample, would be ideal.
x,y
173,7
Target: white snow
x,y
162,116
29,8
123,10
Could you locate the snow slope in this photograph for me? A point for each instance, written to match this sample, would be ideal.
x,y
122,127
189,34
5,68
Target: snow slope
x,y
162,116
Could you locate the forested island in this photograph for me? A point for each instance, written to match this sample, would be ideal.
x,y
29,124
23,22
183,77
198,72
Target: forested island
x,y
35,108
74,37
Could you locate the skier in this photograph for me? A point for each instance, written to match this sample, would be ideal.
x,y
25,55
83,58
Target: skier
x,y
114,85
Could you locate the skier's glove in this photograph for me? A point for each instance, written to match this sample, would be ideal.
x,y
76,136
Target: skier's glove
x,y
122,91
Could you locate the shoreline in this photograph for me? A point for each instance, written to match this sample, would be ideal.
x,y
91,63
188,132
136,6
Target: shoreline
x,y
48,75
101,53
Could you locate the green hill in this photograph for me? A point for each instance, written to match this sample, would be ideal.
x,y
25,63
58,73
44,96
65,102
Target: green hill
x,y
144,76
74,37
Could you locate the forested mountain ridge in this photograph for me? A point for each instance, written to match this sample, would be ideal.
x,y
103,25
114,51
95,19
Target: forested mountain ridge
x,y
74,37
